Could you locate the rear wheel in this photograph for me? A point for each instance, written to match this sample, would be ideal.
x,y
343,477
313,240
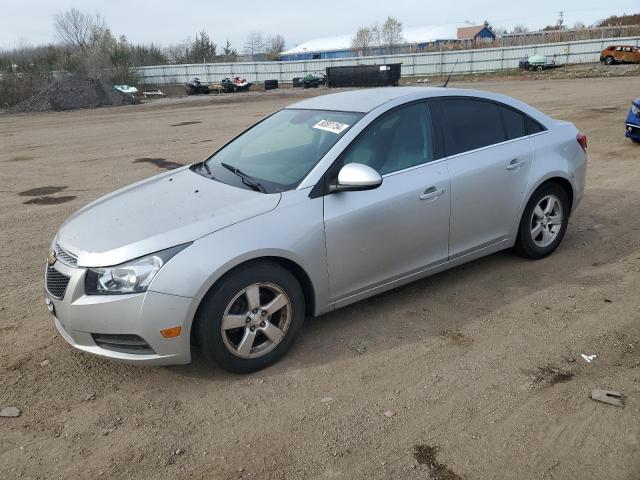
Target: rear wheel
x,y
251,319
544,222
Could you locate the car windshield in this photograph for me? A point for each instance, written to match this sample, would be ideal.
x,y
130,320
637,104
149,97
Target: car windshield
x,y
277,153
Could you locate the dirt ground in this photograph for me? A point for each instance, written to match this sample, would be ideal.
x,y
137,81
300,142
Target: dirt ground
x,y
475,373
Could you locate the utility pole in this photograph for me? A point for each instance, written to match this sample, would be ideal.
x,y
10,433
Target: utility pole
x,y
560,19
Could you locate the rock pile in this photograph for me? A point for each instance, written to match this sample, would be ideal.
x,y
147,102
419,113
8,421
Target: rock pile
x,y
74,92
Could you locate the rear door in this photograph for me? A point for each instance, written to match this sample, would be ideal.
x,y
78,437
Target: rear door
x,y
630,54
618,54
489,158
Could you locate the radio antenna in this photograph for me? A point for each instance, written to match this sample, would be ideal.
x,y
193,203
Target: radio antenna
x,y
450,73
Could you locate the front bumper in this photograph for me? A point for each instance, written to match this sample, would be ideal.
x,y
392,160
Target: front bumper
x,y
632,126
79,317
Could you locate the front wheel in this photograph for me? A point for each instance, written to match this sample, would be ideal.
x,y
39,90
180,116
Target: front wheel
x,y
609,61
251,318
544,222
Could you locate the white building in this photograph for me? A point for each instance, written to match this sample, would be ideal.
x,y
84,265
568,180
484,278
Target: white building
x,y
417,37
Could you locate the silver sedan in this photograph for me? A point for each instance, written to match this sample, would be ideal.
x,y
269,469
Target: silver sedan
x,y
321,204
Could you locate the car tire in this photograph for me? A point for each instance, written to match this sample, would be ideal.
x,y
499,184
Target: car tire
x,y
231,317
609,60
541,229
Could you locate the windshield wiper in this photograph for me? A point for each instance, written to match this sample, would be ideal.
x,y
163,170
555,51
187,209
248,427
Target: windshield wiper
x,y
248,180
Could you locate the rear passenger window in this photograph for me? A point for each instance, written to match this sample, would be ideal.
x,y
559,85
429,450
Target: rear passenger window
x,y
533,126
513,123
472,124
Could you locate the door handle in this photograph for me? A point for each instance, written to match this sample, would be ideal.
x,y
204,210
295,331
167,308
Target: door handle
x,y
514,164
431,193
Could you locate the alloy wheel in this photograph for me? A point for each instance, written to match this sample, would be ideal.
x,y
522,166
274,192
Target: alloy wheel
x,y
546,221
256,320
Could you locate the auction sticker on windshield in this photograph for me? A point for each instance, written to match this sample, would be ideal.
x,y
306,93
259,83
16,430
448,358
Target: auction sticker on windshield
x,y
331,126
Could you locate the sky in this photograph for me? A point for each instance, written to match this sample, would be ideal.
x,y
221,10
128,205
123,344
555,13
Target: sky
x,y
30,22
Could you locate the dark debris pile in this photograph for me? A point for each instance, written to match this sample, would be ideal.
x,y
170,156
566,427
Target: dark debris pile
x,y
74,92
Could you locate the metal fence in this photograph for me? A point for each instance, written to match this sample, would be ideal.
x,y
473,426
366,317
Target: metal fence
x,y
437,63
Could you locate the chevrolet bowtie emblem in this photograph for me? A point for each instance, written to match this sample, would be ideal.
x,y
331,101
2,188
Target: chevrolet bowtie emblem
x,y
51,257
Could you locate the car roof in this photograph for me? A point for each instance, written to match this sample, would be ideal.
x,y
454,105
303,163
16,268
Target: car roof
x,y
366,100
358,100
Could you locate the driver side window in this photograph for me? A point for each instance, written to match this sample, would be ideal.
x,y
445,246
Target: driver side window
x,y
398,140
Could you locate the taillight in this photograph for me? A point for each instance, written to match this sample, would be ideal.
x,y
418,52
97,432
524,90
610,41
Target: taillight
x,y
582,140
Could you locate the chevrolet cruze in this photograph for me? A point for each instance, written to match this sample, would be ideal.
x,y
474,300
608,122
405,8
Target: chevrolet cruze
x,y
321,204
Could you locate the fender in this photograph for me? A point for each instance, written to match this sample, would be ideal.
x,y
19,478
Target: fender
x,y
192,272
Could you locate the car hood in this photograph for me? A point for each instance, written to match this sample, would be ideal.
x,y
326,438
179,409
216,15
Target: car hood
x,y
637,102
157,213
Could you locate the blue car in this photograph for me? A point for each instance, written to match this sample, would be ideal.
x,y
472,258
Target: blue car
x,y
633,122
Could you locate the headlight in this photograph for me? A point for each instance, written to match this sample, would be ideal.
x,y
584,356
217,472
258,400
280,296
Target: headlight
x,y
635,109
131,277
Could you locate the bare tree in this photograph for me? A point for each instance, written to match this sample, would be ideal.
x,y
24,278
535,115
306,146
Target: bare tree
x,y
376,35
177,53
275,46
98,60
392,33
362,40
81,30
255,43
615,20
520,29
579,26
499,31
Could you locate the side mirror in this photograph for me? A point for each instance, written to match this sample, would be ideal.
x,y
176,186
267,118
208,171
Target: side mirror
x,y
356,176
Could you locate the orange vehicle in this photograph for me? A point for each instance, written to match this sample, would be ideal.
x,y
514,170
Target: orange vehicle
x,y
620,54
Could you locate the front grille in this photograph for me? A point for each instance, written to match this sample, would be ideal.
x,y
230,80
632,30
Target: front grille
x,y
122,343
65,257
56,283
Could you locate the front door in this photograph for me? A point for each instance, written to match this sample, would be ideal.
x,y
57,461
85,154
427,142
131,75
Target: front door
x,y
374,237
